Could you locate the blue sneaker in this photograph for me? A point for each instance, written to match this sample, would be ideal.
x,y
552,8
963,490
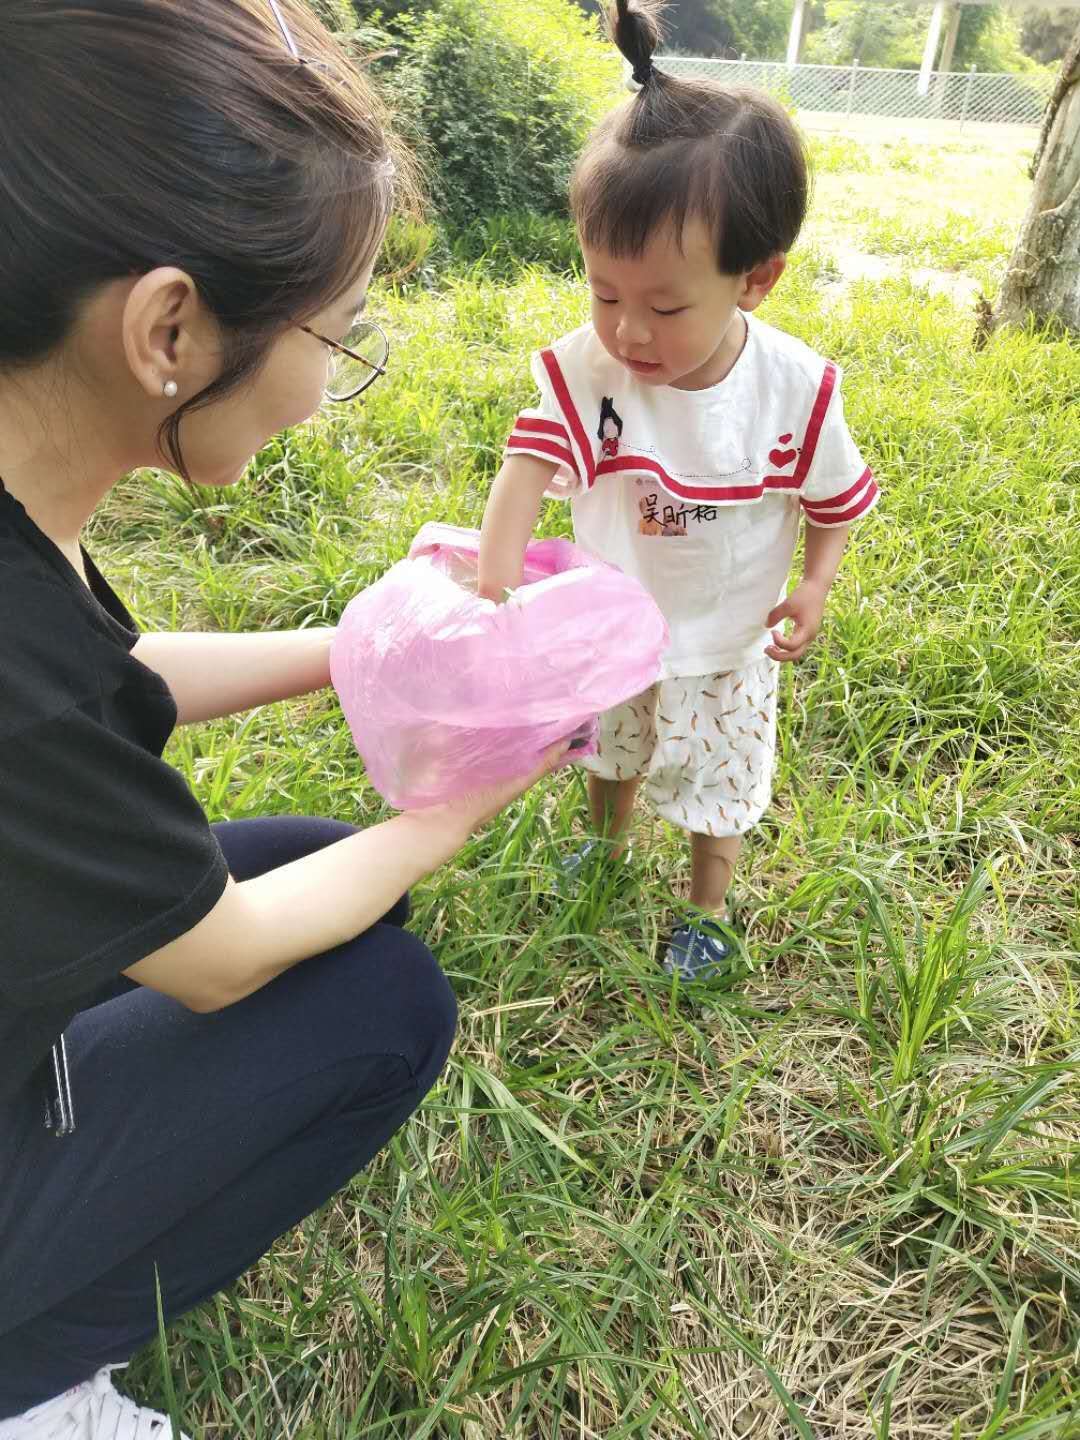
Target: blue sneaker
x,y
701,951
592,857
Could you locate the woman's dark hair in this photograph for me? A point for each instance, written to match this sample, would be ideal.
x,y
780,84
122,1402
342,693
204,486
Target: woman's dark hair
x,y
142,133
685,148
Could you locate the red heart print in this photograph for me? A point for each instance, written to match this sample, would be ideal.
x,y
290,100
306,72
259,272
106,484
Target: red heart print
x,y
784,438
781,458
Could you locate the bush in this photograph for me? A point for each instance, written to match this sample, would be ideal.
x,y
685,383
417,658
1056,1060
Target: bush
x,y
407,245
501,244
499,97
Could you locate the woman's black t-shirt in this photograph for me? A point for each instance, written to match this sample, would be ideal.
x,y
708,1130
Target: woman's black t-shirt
x,y
105,855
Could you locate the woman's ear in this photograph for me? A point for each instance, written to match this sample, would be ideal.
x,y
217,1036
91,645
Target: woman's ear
x,y
165,334
759,281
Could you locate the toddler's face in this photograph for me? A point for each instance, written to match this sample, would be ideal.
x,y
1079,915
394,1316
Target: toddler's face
x,y
669,315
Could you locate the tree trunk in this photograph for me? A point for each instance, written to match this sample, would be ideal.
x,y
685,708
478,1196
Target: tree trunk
x,y
1043,278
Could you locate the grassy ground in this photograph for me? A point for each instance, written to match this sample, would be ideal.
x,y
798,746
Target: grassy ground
x,y
839,1200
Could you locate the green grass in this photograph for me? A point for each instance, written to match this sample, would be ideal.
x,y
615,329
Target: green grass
x,y
949,241
838,1201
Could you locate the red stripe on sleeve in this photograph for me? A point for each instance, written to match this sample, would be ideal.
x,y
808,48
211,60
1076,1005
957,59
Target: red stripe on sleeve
x,y
546,449
539,425
837,502
845,517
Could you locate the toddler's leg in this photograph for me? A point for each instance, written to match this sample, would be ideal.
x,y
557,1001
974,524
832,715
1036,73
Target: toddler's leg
x,y
627,737
611,805
712,776
712,866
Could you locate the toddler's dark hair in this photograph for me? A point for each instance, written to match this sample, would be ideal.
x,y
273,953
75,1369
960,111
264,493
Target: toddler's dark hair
x,y
142,133
685,148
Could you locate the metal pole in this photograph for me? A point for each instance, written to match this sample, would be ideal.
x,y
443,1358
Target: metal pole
x,y
851,83
967,98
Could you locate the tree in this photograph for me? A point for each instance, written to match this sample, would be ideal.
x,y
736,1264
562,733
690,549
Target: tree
x,y
886,33
1043,278
390,15
725,28
1045,34
757,28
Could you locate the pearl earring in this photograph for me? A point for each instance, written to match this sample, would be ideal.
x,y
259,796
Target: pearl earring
x,y
169,389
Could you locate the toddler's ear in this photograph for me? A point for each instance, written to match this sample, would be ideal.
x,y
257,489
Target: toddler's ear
x,y
758,282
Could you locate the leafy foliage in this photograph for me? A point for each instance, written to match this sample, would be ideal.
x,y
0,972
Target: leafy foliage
x,y
499,97
502,244
892,34
1045,34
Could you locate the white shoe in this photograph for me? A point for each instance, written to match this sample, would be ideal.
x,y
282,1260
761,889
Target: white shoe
x,y
93,1410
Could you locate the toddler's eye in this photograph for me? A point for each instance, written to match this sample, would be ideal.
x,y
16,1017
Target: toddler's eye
x,y
605,299
677,311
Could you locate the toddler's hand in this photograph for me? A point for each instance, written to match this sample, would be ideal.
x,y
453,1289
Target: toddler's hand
x,y
805,606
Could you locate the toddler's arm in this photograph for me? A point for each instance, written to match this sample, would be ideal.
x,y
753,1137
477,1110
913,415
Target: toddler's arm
x,y
805,606
509,521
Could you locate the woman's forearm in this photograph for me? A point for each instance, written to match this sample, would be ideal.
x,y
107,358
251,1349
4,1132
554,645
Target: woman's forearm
x,y
264,926
212,675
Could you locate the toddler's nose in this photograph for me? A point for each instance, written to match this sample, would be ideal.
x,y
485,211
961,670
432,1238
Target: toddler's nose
x,y
632,331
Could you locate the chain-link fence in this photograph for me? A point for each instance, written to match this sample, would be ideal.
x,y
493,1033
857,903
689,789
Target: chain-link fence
x,y
858,90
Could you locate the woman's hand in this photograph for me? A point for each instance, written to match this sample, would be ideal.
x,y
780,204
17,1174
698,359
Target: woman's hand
x,y
471,812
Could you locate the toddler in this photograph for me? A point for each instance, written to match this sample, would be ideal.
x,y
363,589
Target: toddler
x,y
688,436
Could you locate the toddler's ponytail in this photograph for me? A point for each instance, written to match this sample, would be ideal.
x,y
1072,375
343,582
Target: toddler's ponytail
x,y
688,148
635,29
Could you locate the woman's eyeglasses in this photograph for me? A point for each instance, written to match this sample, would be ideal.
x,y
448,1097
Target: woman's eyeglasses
x,y
355,362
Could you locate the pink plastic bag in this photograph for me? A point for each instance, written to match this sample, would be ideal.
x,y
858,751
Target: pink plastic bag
x,y
445,692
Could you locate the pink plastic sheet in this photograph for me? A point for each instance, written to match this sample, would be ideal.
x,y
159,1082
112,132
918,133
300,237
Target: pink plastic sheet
x,y
445,692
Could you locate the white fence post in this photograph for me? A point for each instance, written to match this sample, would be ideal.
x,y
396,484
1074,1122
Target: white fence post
x,y
795,33
967,97
851,83
933,36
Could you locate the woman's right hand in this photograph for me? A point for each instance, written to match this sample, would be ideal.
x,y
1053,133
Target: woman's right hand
x,y
471,812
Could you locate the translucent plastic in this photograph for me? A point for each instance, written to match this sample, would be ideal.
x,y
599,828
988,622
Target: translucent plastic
x,y
445,692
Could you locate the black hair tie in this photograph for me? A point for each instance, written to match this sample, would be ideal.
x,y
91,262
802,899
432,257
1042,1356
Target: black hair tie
x,y
644,72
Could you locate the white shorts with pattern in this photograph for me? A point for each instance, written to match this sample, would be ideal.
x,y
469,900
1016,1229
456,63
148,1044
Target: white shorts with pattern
x,y
703,744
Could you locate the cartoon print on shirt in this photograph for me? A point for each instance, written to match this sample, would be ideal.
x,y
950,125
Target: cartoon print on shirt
x,y
610,428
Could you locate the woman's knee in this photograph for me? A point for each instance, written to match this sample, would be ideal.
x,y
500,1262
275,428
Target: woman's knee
x,y
419,1005
252,847
382,994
